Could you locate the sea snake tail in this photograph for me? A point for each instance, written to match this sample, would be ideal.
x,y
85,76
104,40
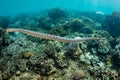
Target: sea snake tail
x,y
49,36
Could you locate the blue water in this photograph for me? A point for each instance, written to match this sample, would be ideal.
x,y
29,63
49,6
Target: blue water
x,y
13,7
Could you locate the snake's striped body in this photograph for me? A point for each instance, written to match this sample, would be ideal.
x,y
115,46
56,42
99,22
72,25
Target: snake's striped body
x,y
49,36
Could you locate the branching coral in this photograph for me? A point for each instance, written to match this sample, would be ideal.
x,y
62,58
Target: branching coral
x,y
50,37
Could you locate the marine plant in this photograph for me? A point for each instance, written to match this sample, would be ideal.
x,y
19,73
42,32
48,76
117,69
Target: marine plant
x,y
51,37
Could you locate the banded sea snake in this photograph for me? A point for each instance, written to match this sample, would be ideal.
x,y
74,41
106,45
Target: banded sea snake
x,y
51,37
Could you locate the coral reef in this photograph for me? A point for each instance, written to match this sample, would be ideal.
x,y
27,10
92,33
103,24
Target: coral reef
x,y
0,38
76,48
2,34
86,30
104,47
26,21
59,30
56,13
75,25
5,21
116,51
112,24
98,16
44,23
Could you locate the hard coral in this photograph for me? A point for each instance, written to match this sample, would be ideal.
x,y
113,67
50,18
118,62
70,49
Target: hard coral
x,y
78,74
87,30
1,37
59,30
25,21
38,77
44,23
74,51
116,57
112,24
104,47
56,13
75,25
5,21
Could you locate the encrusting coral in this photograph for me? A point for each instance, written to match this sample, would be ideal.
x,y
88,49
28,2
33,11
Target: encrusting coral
x,y
51,37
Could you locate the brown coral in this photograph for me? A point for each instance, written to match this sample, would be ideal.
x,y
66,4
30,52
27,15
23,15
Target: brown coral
x,y
78,74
